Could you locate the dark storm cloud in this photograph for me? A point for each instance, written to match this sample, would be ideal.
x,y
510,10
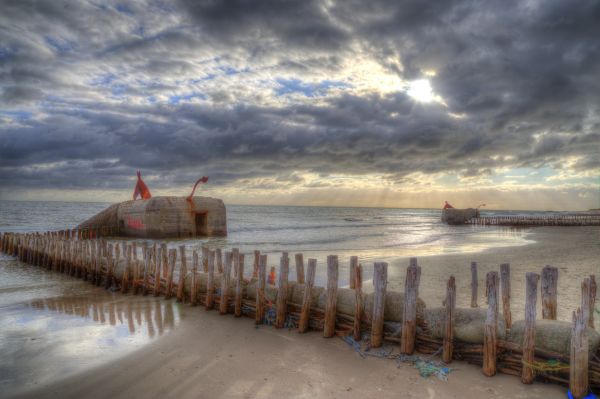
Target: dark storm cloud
x,y
79,84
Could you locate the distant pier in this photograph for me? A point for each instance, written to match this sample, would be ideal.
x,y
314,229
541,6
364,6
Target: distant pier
x,y
528,221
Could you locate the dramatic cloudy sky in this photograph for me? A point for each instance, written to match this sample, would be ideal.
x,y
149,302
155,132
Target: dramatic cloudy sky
x,y
373,103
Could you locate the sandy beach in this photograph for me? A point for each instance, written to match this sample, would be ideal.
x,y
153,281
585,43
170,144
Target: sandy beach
x,y
213,356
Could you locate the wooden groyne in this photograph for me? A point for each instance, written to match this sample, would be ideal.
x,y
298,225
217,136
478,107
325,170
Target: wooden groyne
x,y
216,280
530,221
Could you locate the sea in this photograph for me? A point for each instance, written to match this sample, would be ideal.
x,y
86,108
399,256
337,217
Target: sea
x,y
52,325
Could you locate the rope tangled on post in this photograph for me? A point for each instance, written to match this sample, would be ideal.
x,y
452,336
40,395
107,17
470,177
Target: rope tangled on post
x,y
547,366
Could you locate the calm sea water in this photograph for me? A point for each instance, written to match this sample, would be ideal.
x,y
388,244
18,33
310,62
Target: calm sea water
x,y
370,233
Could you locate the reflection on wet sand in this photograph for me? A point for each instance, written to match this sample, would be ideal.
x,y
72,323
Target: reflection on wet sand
x,y
154,315
47,339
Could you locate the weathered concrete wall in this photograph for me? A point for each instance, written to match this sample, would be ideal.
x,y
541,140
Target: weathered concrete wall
x,y
162,217
458,216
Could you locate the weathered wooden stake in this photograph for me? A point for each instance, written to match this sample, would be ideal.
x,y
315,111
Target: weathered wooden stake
x,y
172,262
219,260
239,286
380,284
223,304
531,283
182,275
299,268
474,284
157,271
490,326
505,288
353,264
210,281
585,300
450,305
358,306
549,290
593,292
147,260
282,291
260,289
193,294
331,298
235,254
256,264
205,251
409,318
307,298
578,373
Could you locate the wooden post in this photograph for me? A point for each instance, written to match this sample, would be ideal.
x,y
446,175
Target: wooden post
x,y
225,283
235,254
205,251
474,284
579,375
157,270
331,298
409,318
380,284
210,282
125,280
165,260
300,268
147,264
172,261
585,300
239,286
531,283
256,264
593,291
282,291
490,326
193,294
505,288
260,289
549,290
450,305
358,306
353,264
219,260
307,298
182,275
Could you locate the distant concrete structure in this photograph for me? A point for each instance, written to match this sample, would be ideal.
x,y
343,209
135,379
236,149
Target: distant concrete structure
x,y
162,217
456,216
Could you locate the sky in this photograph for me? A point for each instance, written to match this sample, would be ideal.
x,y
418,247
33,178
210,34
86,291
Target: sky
x,y
338,103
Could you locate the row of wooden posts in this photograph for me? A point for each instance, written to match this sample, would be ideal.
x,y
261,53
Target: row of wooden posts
x,y
561,220
96,260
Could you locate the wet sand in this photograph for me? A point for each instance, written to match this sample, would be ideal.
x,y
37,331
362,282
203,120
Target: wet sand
x,y
213,356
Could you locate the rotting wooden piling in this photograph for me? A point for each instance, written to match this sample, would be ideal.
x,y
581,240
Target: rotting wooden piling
x,y
578,373
450,305
331,296
409,315
353,264
505,289
307,298
593,292
210,281
282,291
299,268
474,284
182,275
193,293
490,326
548,291
531,283
225,277
239,286
358,306
260,289
380,286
